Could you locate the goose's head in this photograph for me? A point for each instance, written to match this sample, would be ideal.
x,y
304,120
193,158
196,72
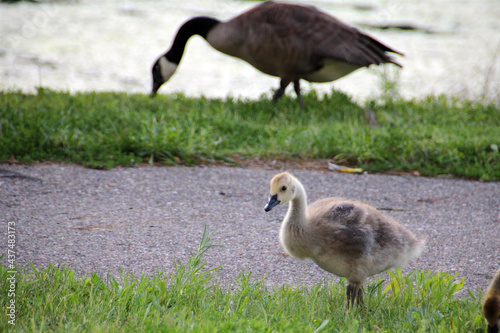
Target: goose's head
x,y
283,188
162,71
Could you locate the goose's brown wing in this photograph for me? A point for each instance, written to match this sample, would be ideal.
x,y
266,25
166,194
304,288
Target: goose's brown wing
x,y
304,37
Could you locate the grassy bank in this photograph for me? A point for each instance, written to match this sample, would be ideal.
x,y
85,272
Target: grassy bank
x,y
433,136
189,300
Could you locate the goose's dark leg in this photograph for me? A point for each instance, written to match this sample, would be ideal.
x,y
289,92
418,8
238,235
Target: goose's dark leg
x,y
283,84
296,86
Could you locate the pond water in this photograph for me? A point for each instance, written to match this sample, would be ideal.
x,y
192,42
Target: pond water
x,y
111,45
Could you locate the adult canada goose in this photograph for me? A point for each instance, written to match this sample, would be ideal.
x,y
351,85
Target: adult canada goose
x,y
292,42
347,238
491,304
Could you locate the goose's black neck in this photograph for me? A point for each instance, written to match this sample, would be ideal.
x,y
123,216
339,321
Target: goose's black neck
x,y
196,26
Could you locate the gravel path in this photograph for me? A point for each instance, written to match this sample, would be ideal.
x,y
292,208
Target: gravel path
x,y
144,218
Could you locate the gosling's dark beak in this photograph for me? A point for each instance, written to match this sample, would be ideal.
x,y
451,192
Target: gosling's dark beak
x,y
273,201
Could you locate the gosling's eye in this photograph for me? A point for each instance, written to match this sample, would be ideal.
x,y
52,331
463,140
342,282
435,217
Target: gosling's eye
x,y
283,188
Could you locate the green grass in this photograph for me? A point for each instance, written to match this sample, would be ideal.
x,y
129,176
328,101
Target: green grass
x,y
434,136
190,300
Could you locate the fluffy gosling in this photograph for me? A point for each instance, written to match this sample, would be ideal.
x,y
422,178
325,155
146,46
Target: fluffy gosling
x,y
491,304
347,238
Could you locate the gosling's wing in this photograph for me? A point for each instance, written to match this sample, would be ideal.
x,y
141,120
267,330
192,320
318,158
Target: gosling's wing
x,y
340,226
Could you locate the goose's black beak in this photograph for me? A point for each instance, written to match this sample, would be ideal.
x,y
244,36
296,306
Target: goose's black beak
x,y
156,86
272,202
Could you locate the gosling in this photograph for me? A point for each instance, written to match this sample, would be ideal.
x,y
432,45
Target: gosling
x,y
291,42
491,304
347,238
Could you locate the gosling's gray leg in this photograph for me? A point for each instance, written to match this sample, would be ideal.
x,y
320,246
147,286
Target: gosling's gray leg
x,y
354,295
351,293
359,299
296,87
283,84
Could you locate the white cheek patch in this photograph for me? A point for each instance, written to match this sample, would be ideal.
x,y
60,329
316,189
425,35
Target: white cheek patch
x,y
167,68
